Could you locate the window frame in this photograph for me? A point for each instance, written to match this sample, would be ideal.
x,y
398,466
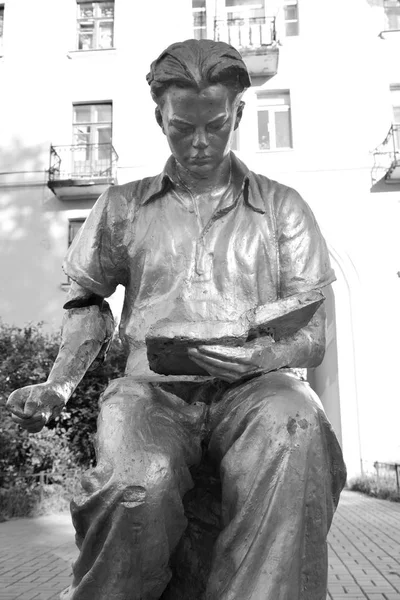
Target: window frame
x,y
2,15
96,20
72,221
92,164
391,7
286,22
265,103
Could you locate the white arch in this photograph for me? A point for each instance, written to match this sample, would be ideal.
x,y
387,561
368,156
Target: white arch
x,y
336,380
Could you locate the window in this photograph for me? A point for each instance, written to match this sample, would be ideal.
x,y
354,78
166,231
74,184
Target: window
x,y
291,17
92,139
74,226
1,27
95,25
392,14
235,140
274,121
395,94
245,9
199,19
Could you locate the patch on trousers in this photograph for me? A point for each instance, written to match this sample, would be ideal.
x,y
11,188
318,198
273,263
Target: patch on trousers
x,y
292,425
134,495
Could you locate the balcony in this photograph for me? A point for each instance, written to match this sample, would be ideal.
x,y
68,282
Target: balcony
x,y
385,173
256,40
82,171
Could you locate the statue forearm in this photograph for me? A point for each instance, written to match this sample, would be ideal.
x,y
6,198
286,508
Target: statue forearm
x,y
305,349
86,330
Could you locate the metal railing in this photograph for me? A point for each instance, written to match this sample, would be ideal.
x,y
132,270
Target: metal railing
x,y
246,32
382,469
387,154
83,161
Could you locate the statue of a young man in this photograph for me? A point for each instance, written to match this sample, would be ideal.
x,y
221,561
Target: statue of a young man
x,y
204,241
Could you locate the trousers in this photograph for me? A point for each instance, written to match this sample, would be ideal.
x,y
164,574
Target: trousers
x,y
281,470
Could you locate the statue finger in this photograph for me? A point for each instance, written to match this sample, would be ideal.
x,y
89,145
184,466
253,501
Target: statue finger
x,y
226,353
220,368
25,421
35,427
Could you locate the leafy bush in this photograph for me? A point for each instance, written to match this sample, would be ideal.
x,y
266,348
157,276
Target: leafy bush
x,y
383,488
26,357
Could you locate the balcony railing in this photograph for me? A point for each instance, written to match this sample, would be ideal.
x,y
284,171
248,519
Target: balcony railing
x,y
387,158
83,162
246,33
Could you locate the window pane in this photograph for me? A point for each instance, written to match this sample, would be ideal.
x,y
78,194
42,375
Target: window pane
x,y
292,29
393,18
106,35
82,113
1,20
107,9
252,3
104,136
199,4
263,130
282,129
200,33
199,19
85,36
86,11
270,98
235,140
102,113
74,227
81,135
290,13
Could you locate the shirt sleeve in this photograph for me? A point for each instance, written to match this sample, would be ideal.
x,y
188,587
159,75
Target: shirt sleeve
x,y
303,253
96,259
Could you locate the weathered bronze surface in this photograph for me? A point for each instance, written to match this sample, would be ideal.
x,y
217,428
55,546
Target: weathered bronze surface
x,y
211,256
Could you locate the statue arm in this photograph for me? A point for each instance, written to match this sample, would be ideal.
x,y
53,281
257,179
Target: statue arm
x,y
303,266
86,332
304,349
87,329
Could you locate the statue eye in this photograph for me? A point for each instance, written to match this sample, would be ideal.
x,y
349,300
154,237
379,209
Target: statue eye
x,y
215,126
183,128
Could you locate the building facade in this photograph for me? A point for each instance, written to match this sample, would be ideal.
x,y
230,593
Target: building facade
x,y
322,115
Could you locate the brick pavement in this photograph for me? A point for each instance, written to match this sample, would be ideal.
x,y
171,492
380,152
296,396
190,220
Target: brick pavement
x,y
364,553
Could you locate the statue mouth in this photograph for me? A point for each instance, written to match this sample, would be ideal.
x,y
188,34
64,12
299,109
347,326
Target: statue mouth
x,y
200,159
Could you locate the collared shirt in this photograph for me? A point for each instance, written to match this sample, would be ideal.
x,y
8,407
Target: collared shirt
x,y
262,243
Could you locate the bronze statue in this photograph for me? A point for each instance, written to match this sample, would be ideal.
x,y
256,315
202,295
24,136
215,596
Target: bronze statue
x,y
199,248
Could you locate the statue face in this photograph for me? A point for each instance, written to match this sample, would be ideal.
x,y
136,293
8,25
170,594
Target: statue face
x,y
199,125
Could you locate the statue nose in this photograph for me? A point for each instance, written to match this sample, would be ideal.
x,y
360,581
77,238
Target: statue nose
x,y
200,139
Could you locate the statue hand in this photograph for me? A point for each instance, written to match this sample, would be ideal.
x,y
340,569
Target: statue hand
x,y
233,363
33,406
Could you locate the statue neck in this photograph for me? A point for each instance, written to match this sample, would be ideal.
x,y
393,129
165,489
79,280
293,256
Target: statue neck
x,y
213,183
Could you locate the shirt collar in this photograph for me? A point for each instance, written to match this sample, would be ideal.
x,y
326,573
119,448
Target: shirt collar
x,y
241,180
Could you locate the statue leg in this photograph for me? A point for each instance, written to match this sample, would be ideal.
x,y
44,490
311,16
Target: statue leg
x,y
129,517
282,472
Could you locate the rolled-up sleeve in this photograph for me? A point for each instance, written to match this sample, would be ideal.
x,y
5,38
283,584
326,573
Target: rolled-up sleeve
x,y
96,259
303,254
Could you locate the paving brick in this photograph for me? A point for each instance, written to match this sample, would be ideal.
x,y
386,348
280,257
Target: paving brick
x,y
364,553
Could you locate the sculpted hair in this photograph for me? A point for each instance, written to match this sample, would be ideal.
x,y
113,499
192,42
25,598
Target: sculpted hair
x,y
198,64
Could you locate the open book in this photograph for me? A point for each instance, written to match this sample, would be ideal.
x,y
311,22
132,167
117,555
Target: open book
x,y
167,342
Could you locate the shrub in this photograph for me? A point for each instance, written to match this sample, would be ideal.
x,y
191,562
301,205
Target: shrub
x,y
383,488
26,357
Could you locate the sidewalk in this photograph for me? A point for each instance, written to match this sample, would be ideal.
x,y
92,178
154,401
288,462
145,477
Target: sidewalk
x,y
364,559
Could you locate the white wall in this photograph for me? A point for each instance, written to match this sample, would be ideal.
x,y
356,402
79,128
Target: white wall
x,y
338,72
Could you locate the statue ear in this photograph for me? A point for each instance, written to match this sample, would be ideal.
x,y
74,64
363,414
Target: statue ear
x,y
159,118
239,114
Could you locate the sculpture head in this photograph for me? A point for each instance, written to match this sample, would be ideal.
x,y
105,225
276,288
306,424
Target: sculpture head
x,y
197,86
